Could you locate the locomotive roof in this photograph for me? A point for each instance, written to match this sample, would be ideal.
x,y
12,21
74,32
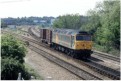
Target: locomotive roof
x,y
69,31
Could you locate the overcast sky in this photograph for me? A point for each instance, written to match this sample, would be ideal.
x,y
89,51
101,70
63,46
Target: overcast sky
x,y
40,8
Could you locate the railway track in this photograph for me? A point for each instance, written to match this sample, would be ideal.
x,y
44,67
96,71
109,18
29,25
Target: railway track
x,y
111,73
104,55
77,71
104,70
93,65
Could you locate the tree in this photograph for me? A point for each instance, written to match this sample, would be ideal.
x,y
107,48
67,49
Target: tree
x,y
12,47
93,22
104,23
12,55
3,24
68,21
110,20
10,69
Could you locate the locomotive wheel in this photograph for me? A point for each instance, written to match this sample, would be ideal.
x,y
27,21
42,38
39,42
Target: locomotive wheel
x,y
57,48
68,53
72,55
54,47
65,51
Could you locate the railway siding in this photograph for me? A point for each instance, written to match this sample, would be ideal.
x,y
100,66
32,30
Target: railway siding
x,y
105,55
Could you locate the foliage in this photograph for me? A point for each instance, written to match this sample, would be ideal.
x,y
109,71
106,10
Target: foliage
x,y
12,55
93,22
104,24
105,49
10,69
3,24
12,61
69,21
33,72
12,47
109,33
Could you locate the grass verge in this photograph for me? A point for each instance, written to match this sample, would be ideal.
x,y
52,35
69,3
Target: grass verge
x,y
32,72
109,50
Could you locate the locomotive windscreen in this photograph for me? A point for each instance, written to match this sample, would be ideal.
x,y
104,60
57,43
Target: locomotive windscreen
x,y
83,33
83,37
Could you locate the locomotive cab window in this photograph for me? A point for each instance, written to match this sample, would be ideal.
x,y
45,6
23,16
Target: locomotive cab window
x,y
83,37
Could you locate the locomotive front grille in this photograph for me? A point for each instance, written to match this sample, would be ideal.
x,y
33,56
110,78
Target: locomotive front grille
x,y
83,45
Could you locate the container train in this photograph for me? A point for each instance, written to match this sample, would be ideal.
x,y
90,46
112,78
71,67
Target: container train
x,y
75,43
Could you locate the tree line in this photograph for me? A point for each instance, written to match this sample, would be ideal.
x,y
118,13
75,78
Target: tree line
x,y
26,21
72,21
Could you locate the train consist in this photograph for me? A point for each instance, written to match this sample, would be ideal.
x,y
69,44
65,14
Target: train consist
x,y
75,43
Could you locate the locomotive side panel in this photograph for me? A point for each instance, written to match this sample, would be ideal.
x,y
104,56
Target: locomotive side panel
x,y
64,40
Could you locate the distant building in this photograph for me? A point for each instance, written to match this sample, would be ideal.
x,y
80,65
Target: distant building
x,y
35,21
42,21
12,26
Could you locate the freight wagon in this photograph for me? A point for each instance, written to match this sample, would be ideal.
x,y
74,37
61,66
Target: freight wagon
x,y
46,35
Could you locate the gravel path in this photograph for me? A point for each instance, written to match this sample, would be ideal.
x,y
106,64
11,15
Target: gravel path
x,y
47,69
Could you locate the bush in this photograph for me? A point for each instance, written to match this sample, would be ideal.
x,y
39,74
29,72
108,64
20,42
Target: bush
x,y
12,47
12,53
10,69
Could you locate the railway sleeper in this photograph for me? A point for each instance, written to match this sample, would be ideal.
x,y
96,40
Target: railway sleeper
x,y
101,71
106,68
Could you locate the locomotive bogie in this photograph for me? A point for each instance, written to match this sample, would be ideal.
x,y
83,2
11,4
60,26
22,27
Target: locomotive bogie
x,y
72,52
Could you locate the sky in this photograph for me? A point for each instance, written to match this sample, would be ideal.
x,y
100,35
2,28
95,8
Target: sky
x,y
40,8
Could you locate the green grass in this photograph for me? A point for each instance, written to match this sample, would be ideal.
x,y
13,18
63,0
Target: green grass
x,y
33,72
109,49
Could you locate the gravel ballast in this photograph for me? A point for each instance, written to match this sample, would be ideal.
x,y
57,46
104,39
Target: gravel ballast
x,y
47,69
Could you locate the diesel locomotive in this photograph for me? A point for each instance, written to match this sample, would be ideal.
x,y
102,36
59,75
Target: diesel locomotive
x,y
75,43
